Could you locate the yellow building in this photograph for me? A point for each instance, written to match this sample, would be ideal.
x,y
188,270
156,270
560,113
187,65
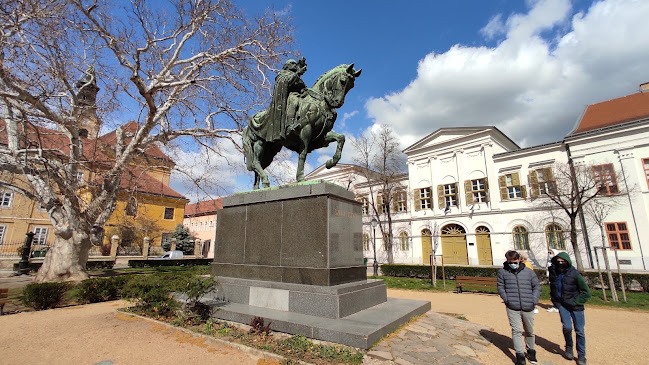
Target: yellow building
x,y
146,205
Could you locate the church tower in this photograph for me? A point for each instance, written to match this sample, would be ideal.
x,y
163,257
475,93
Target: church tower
x,y
87,108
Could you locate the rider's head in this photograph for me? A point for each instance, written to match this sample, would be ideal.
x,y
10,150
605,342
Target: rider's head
x,y
290,65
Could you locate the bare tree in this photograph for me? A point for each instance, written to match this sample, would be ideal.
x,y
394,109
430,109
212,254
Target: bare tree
x,y
382,165
571,188
188,68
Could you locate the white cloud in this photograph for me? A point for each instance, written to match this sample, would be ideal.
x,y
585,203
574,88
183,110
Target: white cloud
x,y
207,173
535,83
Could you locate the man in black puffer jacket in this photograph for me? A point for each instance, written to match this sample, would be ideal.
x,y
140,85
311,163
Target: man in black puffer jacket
x,y
520,289
569,293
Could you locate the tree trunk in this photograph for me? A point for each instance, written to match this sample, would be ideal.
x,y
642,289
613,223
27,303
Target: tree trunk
x,y
575,245
66,260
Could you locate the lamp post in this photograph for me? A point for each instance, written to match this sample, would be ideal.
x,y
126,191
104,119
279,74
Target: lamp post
x,y
376,264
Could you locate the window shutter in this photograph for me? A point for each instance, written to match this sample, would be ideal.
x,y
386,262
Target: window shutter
x,y
468,192
547,172
516,180
502,183
523,192
486,189
457,194
440,197
417,194
552,187
534,184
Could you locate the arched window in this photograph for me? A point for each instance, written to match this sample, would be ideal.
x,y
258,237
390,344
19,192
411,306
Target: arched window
x,y
403,241
366,242
521,239
554,237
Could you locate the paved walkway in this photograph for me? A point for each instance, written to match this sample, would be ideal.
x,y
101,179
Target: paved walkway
x,y
433,339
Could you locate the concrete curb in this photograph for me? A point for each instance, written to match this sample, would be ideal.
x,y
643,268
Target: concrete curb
x,y
249,350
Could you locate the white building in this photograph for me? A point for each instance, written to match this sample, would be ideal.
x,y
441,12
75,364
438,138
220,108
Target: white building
x,y
475,194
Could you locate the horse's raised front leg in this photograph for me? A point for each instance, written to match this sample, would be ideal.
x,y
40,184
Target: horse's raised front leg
x,y
258,150
340,142
305,138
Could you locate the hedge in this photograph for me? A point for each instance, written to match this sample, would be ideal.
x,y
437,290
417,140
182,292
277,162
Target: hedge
x,y
90,265
424,272
180,262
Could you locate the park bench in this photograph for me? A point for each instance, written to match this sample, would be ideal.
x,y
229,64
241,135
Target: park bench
x,y
4,294
476,283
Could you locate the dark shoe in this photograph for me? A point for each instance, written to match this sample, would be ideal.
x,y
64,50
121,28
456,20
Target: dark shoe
x,y
531,356
581,360
568,354
520,359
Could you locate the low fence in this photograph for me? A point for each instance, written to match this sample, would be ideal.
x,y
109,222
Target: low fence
x,y
15,250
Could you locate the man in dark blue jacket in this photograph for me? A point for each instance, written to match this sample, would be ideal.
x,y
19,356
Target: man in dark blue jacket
x,y
569,293
520,289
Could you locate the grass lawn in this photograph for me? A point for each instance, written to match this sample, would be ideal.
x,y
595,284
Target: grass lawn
x,y
637,301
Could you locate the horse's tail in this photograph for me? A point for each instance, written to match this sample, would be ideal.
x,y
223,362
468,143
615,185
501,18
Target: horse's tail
x,y
247,147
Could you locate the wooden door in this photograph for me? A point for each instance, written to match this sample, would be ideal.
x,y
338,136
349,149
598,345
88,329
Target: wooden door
x,y
426,246
483,243
454,245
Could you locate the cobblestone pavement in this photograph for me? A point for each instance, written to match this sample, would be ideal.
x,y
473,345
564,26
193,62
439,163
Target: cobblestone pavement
x,y
434,338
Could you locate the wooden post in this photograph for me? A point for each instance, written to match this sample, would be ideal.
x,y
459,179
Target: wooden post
x,y
114,243
617,262
599,271
145,248
610,276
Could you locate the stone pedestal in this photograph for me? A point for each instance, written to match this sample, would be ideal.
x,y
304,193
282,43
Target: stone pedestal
x,y
294,255
302,234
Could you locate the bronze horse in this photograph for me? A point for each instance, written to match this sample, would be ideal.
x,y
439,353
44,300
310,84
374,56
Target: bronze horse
x,y
316,115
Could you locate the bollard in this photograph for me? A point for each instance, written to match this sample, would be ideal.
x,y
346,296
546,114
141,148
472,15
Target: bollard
x,y
114,243
23,264
197,248
145,248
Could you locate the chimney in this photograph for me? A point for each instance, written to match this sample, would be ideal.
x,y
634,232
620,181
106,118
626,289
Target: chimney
x,y
644,87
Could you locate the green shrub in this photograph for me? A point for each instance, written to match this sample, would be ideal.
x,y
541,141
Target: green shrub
x,y
101,289
424,272
151,294
42,296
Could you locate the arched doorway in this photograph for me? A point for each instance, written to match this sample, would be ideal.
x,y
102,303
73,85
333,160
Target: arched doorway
x,y
454,245
426,246
483,243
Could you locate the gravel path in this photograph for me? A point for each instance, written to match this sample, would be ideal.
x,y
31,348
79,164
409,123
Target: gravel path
x,y
613,336
97,334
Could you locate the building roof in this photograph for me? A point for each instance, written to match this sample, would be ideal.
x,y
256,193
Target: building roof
x,y
57,143
129,129
136,179
203,208
612,112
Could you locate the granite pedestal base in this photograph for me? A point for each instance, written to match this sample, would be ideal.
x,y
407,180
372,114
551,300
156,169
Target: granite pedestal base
x,y
294,256
322,301
361,329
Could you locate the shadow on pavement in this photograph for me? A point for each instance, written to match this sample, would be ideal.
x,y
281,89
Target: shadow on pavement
x,y
504,343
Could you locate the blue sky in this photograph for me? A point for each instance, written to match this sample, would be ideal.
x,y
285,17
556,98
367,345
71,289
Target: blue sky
x,y
527,67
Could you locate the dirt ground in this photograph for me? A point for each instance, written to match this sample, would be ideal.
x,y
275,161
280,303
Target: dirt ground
x,y
96,334
612,336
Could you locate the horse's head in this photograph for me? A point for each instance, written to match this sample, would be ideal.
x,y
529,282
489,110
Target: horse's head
x,y
335,83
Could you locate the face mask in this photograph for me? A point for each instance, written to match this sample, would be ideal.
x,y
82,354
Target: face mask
x,y
513,265
563,265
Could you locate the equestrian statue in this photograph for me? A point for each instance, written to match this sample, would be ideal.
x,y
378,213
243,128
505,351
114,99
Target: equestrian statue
x,y
298,118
